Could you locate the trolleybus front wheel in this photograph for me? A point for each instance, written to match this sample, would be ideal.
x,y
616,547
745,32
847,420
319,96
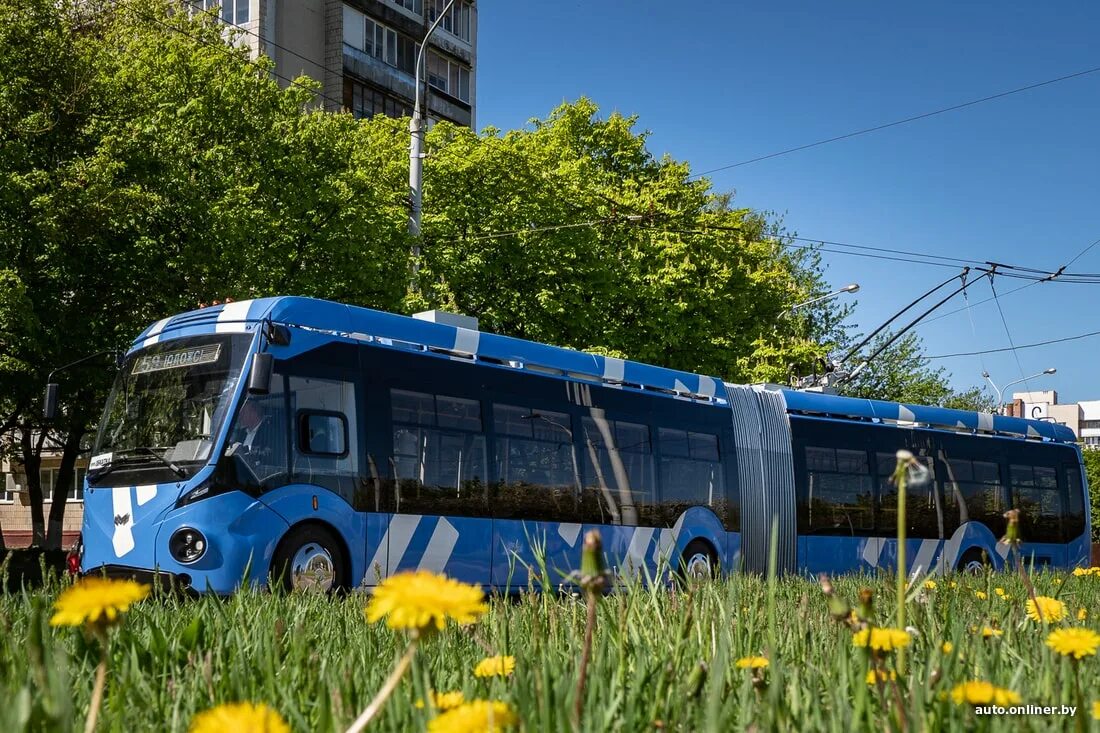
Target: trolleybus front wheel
x,y
974,561
309,558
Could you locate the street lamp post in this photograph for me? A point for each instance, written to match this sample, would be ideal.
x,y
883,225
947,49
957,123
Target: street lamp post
x,y
853,288
1001,390
416,156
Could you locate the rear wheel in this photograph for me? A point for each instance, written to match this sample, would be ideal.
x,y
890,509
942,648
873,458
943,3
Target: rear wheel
x,y
974,561
699,562
309,558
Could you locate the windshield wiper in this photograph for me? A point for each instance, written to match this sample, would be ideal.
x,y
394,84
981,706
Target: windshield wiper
x,y
131,451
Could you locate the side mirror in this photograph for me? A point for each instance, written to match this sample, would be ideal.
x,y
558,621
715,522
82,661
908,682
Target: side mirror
x,y
259,379
49,405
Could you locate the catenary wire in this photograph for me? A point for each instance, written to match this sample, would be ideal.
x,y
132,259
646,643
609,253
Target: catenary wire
x,y
903,121
1017,348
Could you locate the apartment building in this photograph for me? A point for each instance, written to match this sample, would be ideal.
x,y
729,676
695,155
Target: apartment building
x,y
363,52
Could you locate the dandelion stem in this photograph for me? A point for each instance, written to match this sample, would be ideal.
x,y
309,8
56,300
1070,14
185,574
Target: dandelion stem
x,y
97,692
589,625
387,689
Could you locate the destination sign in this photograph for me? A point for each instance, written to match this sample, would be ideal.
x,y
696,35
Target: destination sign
x,y
207,354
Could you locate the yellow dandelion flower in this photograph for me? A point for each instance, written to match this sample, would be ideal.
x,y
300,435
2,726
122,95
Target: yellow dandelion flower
x,y
96,600
952,584
475,716
930,584
881,639
981,595
498,666
947,647
1074,642
420,601
1057,581
1000,592
988,632
1096,710
879,675
443,701
752,662
1082,614
979,692
239,717
1086,571
1052,609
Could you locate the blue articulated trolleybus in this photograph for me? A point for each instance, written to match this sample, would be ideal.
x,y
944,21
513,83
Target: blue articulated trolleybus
x,y
326,445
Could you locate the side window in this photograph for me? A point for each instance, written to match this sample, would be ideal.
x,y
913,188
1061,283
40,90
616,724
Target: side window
x,y
438,454
839,491
325,440
1073,523
920,501
690,472
259,438
1035,494
974,493
619,482
537,469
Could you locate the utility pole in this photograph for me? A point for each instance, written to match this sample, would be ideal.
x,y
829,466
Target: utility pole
x,y
416,156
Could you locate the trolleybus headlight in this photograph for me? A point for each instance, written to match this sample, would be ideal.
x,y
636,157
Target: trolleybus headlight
x,y
187,545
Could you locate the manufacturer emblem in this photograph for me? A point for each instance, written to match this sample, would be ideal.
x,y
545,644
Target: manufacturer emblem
x,y
121,519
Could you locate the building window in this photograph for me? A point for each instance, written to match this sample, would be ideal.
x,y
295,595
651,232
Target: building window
x,y
414,6
367,39
457,21
1090,424
48,479
365,102
232,11
449,77
6,496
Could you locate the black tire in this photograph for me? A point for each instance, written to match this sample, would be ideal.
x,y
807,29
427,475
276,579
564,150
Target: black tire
x,y
310,557
698,563
974,561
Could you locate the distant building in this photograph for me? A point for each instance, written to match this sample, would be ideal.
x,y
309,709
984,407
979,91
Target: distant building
x,y
363,52
15,505
1083,418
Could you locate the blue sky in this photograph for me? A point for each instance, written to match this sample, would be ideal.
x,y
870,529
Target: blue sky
x,y
1014,180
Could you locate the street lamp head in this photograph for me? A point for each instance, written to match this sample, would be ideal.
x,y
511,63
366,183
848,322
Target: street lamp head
x,y
1052,370
985,374
853,288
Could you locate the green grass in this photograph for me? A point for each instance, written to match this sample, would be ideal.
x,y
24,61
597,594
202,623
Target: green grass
x,y
661,659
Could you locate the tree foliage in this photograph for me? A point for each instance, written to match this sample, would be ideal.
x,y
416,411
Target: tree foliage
x,y
147,164
902,374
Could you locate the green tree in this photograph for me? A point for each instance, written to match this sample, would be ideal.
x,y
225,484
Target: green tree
x,y
147,165
611,250
901,373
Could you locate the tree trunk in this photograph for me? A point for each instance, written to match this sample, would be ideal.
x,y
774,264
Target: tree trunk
x,y
32,463
66,472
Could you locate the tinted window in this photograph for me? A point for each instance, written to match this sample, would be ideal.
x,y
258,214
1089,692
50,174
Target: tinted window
x,y
438,454
1073,523
1035,493
619,479
921,515
259,439
691,472
973,492
538,476
839,495
322,433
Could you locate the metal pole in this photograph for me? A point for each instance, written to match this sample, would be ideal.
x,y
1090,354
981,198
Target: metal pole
x,y
416,157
